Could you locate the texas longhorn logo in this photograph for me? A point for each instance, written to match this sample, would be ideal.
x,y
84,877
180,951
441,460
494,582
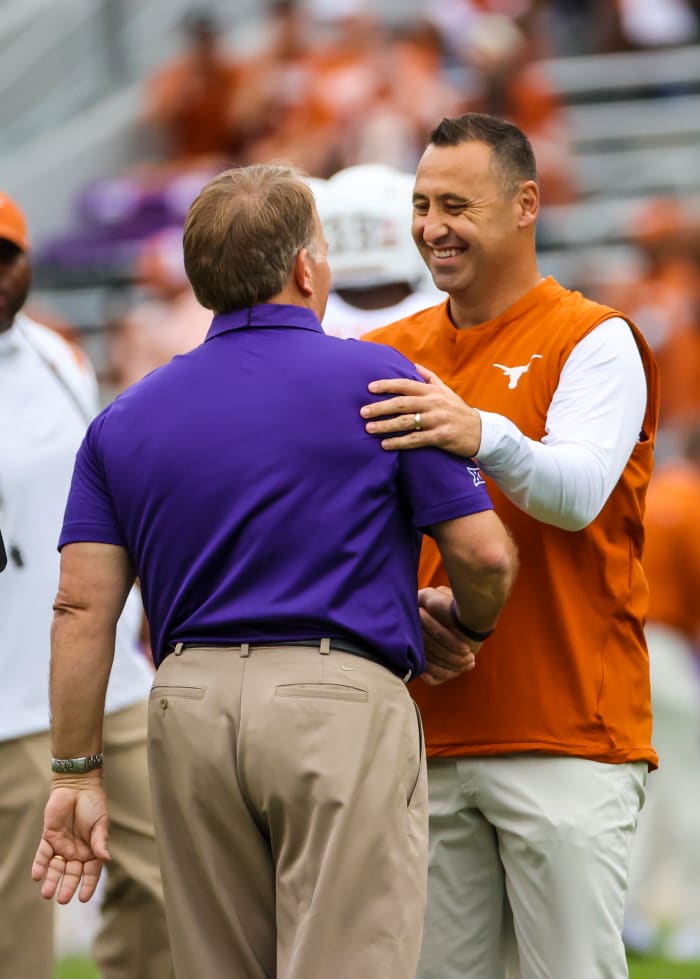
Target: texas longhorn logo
x,y
515,373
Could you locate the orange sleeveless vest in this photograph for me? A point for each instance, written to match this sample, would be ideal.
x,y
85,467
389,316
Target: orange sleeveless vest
x,y
566,672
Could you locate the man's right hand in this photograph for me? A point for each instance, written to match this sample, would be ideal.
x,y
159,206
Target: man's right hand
x,y
73,844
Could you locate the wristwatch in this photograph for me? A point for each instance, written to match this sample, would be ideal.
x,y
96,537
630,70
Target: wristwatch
x,y
76,766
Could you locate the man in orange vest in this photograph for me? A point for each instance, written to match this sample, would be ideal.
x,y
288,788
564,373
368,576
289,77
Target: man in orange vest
x,y
538,756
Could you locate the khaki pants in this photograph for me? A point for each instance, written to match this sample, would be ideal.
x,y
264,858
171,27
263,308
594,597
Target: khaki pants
x,y
132,941
290,805
26,919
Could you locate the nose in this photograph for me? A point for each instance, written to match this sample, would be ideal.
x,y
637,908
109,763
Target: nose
x,y
432,227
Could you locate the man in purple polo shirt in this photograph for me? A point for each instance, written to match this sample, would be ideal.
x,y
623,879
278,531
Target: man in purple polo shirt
x,y
276,545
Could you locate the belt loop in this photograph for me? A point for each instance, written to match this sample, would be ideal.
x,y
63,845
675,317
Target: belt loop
x,y
179,646
245,649
325,647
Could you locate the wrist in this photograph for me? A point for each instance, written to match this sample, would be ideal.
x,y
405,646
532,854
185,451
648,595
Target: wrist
x,y
465,630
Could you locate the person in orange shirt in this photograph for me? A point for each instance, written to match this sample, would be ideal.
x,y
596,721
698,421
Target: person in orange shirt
x,y
664,299
663,906
188,101
538,757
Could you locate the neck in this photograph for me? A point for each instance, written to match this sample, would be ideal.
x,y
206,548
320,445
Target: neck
x,y
479,306
376,297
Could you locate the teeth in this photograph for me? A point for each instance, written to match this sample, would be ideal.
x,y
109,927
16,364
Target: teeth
x,y
446,252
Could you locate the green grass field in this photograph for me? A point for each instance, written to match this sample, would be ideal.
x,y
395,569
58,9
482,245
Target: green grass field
x,y
74,968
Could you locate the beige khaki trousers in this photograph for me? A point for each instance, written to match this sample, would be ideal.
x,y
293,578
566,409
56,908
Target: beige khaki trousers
x,y
290,804
132,941
26,919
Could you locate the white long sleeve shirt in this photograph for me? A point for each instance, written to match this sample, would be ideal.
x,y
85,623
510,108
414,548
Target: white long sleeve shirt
x,y
44,411
592,425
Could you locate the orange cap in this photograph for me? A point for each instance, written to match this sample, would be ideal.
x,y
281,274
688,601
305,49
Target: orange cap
x,y
13,227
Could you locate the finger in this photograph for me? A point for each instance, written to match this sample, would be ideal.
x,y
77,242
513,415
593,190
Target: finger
x,y
429,376
91,875
72,877
396,385
435,662
435,676
98,841
402,405
43,854
53,875
443,637
411,440
399,423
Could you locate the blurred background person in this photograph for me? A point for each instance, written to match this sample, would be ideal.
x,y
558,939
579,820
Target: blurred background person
x,y
664,300
167,320
188,100
377,273
47,397
663,907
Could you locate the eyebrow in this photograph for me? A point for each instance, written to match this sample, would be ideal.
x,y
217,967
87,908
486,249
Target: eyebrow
x,y
444,198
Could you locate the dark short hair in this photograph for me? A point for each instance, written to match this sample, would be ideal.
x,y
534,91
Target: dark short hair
x,y
243,232
511,149
200,22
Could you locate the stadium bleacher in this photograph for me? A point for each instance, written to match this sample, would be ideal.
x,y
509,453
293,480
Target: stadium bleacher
x,y
70,82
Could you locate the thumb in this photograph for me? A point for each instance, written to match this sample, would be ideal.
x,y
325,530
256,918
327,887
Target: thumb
x,y
98,841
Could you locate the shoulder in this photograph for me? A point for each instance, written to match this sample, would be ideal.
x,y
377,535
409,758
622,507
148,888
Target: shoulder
x,y
373,357
68,357
579,307
47,340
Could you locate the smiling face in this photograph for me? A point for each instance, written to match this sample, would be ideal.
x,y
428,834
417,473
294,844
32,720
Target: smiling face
x,y
15,279
473,228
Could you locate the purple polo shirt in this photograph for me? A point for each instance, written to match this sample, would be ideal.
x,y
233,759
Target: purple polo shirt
x,y
254,505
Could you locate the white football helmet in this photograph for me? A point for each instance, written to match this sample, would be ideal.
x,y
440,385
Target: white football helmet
x,y
366,215
319,189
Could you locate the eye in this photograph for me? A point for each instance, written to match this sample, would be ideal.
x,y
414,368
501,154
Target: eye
x,y
420,207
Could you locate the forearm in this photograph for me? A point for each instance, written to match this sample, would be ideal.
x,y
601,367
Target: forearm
x,y
592,426
564,485
479,597
481,574
82,649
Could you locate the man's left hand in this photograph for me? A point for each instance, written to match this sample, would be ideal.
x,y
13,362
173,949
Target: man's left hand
x,y
448,652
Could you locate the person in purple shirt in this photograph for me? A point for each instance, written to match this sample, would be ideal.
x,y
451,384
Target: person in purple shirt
x,y
276,546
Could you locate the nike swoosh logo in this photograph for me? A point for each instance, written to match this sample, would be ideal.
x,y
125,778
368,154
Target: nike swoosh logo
x,y
348,668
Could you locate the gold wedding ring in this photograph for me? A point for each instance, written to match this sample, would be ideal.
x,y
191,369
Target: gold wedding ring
x,y
416,421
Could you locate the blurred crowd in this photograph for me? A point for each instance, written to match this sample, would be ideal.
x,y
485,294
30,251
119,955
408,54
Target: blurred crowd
x,y
330,86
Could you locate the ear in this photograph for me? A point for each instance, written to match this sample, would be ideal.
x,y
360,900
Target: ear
x,y
302,273
527,202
